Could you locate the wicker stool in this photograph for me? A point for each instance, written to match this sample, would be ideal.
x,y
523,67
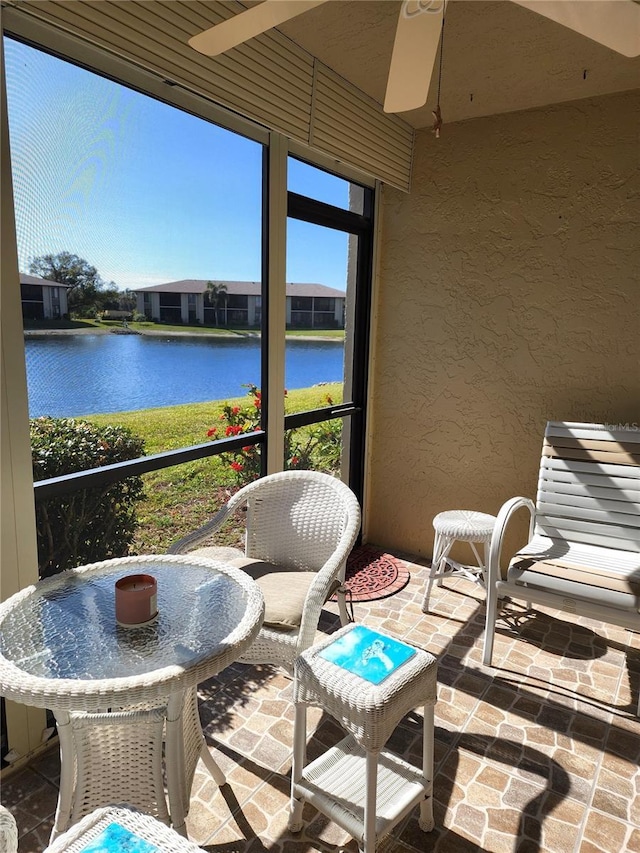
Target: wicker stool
x,y
459,525
362,788
161,837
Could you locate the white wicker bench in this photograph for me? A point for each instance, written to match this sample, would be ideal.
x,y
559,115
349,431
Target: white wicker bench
x,y
583,554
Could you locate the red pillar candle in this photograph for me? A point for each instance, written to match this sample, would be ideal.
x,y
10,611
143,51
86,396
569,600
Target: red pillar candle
x,y
136,599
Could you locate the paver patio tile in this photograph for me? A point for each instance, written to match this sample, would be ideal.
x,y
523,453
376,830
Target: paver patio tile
x,y
557,836
605,832
497,842
538,754
633,844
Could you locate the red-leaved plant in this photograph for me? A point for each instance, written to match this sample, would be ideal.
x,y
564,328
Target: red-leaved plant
x,y
317,448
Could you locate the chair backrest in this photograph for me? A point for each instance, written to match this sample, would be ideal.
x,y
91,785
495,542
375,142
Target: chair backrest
x,y
298,518
589,485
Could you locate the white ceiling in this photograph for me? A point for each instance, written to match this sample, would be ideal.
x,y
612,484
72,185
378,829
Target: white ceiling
x,y
498,56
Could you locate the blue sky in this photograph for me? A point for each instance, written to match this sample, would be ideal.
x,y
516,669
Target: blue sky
x,y
144,192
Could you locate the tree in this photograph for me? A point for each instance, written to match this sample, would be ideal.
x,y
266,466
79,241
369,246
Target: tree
x,y
83,280
113,299
216,291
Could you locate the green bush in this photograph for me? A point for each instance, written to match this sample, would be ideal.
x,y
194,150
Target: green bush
x,y
316,448
90,524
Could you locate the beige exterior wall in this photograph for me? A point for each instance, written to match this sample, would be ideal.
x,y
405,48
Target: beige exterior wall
x,y
508,296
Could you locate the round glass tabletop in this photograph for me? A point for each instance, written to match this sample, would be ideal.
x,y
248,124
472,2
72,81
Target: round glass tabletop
x,y
65,627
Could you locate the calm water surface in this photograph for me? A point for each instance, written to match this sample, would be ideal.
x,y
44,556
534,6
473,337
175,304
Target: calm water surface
x,y
71,375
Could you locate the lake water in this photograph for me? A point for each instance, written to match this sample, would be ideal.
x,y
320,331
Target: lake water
x,y
72,375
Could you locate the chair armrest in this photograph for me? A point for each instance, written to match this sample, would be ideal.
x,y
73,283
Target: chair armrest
x,y
193,539
507,510
321,586
316,597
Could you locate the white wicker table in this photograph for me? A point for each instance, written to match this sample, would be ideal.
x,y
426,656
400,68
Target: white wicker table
x,y
117,692
91,827
362,787
459,525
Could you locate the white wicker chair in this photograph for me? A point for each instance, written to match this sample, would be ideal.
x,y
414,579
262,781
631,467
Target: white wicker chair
x,y
301,527
583,554
8,831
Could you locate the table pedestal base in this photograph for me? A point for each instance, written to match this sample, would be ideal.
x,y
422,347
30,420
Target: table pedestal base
x,y
108,758
117,757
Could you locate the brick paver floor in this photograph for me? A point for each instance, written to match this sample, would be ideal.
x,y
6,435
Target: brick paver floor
x,y
540,753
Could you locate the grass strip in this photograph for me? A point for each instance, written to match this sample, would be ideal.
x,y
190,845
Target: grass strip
x,y
181,498
149,327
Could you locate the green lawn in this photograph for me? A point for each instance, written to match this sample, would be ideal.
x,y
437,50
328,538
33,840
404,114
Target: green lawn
x,y
52,325
146,326
181,498
143,327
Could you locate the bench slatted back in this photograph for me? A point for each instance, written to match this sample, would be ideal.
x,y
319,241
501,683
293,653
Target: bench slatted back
x,y
589,485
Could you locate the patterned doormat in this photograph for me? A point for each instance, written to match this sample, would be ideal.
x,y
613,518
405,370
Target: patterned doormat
x,y
373,574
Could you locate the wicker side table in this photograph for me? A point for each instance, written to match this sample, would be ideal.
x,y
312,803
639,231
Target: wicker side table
x,y
459,525
362,787
151,830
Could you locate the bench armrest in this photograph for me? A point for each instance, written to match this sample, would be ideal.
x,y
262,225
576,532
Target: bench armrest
x,y
493,569
505,515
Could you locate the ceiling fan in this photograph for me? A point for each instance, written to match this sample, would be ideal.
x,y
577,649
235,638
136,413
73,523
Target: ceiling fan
x,y
613,23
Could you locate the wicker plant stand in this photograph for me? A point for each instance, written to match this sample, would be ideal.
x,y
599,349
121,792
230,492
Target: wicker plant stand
x,y
363,788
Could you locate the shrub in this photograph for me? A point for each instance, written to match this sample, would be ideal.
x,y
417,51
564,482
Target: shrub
x,y
318,448
90,524
326,438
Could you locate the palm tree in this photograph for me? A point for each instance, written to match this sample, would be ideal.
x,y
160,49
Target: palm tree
x,y
216,290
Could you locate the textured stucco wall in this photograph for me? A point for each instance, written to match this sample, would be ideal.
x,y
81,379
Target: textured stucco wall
x,y
509,295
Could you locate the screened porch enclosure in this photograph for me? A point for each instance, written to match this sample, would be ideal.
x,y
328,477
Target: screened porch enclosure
x,y
504,271
317,430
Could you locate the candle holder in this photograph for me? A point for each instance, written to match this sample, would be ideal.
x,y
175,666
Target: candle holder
x,y
136,600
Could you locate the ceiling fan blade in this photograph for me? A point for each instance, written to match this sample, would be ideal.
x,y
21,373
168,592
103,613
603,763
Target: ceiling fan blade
x,y
414,54
613,23
252,22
